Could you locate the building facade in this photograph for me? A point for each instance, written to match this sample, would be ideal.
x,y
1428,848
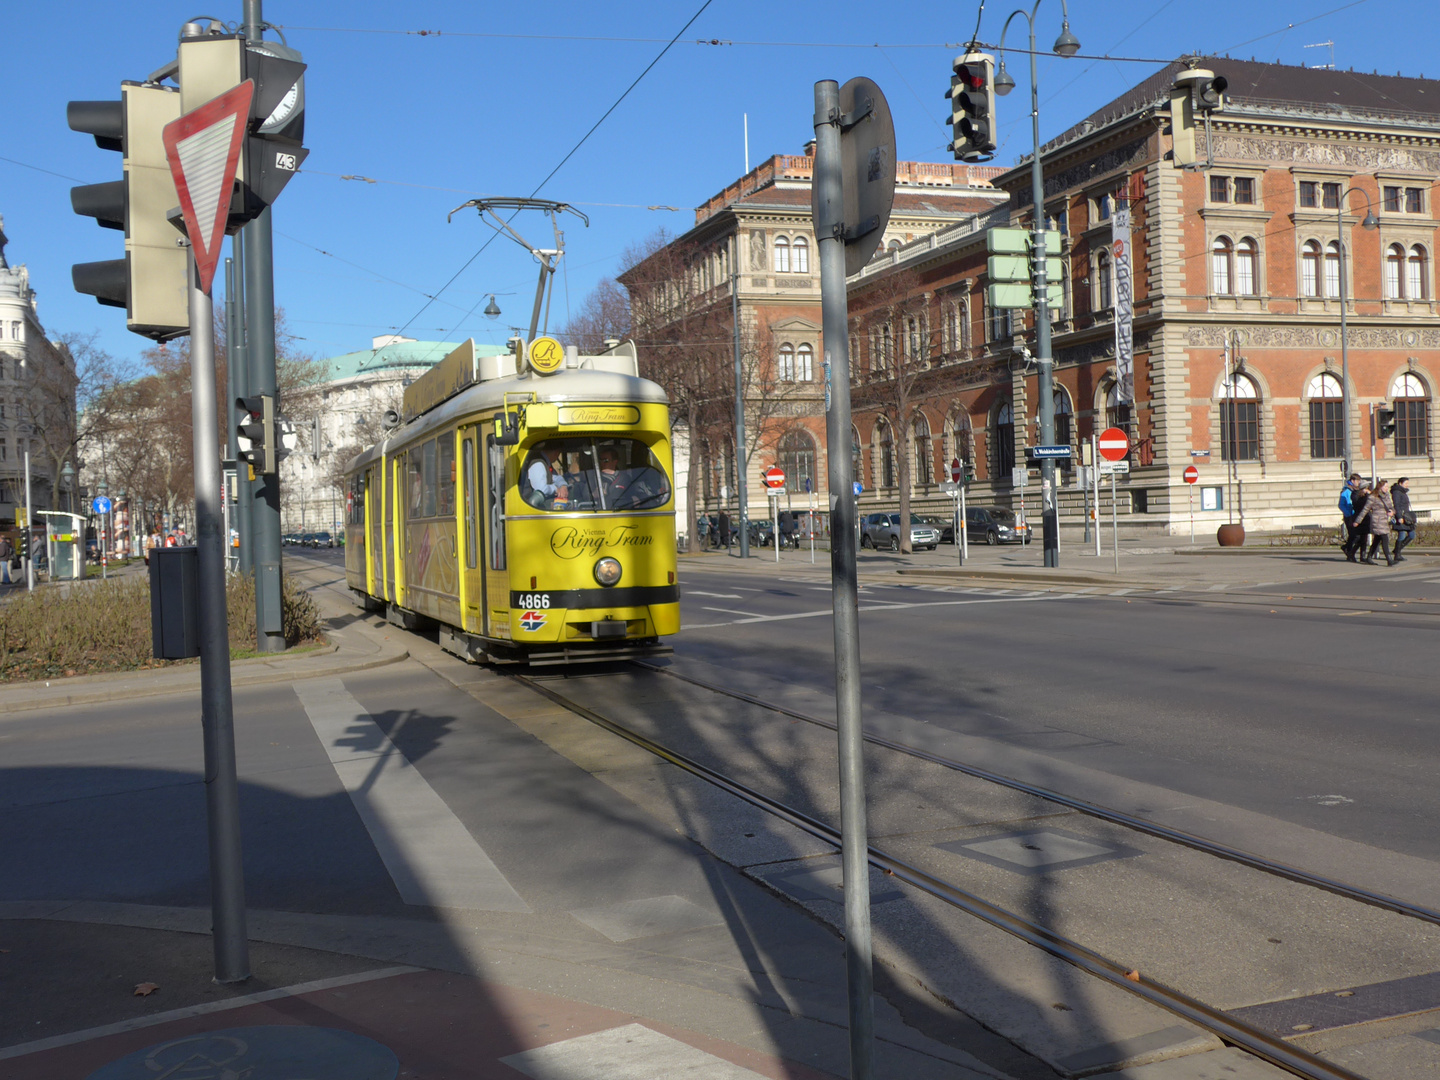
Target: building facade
x,y
37,401
753,249
1237,262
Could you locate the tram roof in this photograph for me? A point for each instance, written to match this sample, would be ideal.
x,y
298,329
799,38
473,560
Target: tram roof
x,y
570,384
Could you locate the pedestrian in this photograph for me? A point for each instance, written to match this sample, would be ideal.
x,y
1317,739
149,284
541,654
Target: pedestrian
x,y
1358,523
725,530
1404,516
7,552
1379,511
787,529
1349,508
702,530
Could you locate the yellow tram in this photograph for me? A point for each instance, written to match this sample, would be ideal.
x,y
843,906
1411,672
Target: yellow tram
x,y
524,504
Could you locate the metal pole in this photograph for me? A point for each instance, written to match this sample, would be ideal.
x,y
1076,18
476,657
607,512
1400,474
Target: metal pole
x,y
964,527
1344,342
244,486
1372,444
1114,522
775,524
1095,483
1192,512
740,460
260,341
222,794
812,527
232,350
29,526
829,234
1049,516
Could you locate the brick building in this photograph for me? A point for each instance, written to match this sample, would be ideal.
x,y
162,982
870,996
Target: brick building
x,y
758,231
1237,329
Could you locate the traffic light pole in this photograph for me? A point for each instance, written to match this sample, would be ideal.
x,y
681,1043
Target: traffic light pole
x,y
1049,516
222,794
244,489
260,345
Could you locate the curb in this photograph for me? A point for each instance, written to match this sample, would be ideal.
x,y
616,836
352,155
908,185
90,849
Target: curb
x,y
59,693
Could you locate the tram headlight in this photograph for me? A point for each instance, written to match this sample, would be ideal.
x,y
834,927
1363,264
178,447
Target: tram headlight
x,y
607,571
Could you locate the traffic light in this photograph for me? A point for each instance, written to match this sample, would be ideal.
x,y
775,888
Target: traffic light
x,y
255,433
972,107
1384,422
1207,93
150,282
209,65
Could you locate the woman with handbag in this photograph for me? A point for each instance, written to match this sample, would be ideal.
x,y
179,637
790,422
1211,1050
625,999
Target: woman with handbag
x,y
1404,516
1378,511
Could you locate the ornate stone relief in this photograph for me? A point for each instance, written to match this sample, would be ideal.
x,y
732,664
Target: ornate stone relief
x,y
757,249
1359,157
1311,337
1077,175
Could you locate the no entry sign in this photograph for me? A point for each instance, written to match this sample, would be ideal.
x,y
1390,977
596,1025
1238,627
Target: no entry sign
x,y
1114,444
1192,475
774,477
955,473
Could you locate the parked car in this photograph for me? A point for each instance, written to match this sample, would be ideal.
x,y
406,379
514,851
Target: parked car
x,y
762,532
946,525
883,530
994,525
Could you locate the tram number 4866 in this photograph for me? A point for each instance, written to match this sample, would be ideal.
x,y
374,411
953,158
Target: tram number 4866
x,y
533,600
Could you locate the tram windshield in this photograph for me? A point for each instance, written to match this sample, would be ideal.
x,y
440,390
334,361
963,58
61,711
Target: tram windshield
x,y
566,475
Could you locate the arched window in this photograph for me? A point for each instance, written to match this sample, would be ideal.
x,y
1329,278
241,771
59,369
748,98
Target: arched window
x,y
800,255
857,456
797,458
805,364
1394,271
1332,268
960,434
782,255
1220,255
1116,413
1004,440
912,339
924,451
887,348
786,366
894,245
1310,268
1247,267
887,456
1327,424
951,331
1104,281
1412,416
1415,276
1063,417
1239,420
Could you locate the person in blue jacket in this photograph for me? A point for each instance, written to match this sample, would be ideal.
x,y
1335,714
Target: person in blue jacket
x,y
1348,510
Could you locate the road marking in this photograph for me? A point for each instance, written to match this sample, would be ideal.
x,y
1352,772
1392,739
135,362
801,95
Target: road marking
x,y
895,606
731,611
716,595
630,1051
431,856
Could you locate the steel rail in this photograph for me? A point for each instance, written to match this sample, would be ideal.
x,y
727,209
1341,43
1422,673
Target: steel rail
x,y
1253,1040
1103,813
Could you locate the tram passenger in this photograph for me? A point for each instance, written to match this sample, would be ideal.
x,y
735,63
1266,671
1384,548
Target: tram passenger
x,y
545,478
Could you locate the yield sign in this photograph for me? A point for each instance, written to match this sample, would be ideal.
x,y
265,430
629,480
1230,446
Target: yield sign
x,y
203,148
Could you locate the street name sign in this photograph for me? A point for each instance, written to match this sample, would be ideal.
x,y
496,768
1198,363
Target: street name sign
x,y
1049,451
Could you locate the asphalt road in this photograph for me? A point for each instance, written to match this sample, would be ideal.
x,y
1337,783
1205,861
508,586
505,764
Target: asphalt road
x,y
1323,717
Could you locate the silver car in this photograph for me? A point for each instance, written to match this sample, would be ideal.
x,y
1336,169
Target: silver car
x,y
883,531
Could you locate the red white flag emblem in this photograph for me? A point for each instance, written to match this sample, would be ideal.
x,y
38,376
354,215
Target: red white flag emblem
x,y
203,148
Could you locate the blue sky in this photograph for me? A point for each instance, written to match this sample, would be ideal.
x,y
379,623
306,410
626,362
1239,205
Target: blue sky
x,y
495,100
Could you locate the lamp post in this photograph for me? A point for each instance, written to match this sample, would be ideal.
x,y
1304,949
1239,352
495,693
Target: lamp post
x,y
1370,221
1065,45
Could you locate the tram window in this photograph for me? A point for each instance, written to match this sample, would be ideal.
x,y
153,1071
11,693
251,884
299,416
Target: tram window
x,y
430,480
467,482
446,494
593,474
416,470
495,495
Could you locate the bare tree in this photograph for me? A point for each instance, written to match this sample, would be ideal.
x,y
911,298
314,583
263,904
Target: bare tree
x,y
604,314
895,315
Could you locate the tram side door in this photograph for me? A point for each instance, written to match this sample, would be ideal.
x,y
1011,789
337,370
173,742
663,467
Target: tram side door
x,y
386,523
495,553
374,530
472,533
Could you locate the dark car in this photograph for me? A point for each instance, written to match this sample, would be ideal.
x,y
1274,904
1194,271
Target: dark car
x,y
945,525
994,525
762,532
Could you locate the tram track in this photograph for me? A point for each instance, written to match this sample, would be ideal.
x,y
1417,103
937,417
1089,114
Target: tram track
x,y
1228,1028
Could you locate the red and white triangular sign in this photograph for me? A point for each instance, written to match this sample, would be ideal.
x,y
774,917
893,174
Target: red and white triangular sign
x,y
203,148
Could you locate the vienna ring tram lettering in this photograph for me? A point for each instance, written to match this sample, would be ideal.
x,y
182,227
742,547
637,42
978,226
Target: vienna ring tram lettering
x,y
527,515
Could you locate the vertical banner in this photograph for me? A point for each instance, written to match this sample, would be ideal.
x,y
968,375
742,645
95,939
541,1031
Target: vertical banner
x,y
1124,306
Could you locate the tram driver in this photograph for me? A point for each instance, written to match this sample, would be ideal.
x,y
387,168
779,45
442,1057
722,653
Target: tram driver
x,y
545,477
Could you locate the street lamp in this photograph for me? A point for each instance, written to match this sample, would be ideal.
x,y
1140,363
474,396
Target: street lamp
x,y
67,479
1065,45
492,309
1370,221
